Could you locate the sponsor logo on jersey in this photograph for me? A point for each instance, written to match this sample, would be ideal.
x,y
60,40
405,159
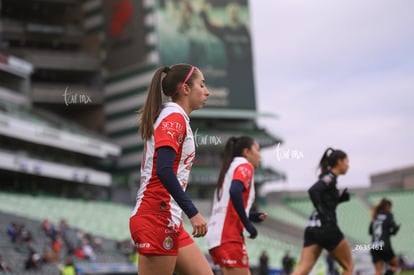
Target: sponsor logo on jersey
x,y
171,134
229,261
172,126
143,245
245,259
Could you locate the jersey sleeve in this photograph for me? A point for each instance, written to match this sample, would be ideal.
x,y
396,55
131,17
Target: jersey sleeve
x,y
170,132
244,174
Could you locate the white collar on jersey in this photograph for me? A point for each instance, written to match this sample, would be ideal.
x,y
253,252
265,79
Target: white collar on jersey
x,y
177,107
240,159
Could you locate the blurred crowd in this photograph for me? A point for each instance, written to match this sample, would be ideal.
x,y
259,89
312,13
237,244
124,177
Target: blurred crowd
x,y
52,243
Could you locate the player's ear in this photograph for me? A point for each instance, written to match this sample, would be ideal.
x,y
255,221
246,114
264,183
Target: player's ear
x,y
186,88
246,152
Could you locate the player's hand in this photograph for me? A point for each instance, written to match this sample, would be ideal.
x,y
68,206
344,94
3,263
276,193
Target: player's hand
x,y
252,231
263,216
396,229
344,196
199,226
257,216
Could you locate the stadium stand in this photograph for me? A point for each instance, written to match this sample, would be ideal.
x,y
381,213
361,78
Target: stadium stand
x,y
16,254
104,219
109,221
284,213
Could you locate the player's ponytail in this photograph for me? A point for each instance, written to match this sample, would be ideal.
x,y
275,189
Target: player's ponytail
x,y
175,76
152,107
234,148
381,207
329,160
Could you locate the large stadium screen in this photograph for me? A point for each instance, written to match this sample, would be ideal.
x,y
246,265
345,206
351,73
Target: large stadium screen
x,y
214,36
125,33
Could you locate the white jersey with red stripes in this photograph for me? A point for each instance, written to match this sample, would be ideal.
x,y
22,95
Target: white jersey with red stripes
x,y
225,225
172,129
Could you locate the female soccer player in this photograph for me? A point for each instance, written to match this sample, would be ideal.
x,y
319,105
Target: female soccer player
x,y
381,228
322,231
155,223
233,199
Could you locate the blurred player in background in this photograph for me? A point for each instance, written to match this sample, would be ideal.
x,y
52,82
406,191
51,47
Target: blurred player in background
x,y
322,231
233,199
382,227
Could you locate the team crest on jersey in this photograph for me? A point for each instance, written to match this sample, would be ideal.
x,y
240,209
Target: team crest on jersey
x,y
180,139
168,243
327,179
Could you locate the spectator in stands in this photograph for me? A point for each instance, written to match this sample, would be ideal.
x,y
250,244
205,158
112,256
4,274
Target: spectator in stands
x,y
57,243
63,227
382,227
125,246
169,150
322,231
4,267
14,231
33,261
287,263
48,228
26,236
233,198
49,256
69,268
88,251
264,263
133,257
96,243
78,252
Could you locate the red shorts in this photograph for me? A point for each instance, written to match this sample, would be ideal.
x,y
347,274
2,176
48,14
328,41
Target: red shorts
x,y
152,236
230,255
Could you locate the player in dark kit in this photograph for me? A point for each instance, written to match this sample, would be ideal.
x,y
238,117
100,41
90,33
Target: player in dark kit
x,y
322,231
382,227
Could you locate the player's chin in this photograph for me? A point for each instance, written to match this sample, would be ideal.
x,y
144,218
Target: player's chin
x,y
201,105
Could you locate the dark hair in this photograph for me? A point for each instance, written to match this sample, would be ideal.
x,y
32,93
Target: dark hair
x,y
234,148
380,207
330,159
175,76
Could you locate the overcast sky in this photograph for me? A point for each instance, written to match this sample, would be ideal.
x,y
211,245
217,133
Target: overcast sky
x,y
340,74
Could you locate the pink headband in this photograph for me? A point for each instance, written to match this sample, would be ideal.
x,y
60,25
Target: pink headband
x,y
187,77
189,74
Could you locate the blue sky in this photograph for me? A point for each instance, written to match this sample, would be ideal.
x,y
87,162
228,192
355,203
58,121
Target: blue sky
x,y
340,74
